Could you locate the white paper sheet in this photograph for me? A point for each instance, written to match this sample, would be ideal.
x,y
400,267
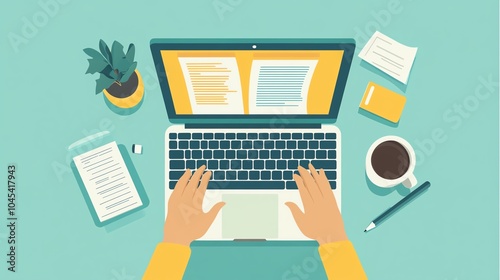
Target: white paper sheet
x,y
393,58
108,181
213,84
280,86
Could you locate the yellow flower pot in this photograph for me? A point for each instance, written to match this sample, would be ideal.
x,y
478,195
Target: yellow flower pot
x,y
128,94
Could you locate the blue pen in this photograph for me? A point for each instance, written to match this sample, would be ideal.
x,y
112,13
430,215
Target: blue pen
x,y
382,217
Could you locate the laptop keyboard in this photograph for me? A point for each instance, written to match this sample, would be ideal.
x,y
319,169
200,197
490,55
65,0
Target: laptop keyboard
x,y
252,160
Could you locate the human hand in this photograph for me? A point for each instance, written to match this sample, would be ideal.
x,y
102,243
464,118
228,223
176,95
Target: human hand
x,y
321,219
186,220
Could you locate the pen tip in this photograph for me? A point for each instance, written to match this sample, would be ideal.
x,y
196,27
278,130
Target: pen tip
x,y
365,230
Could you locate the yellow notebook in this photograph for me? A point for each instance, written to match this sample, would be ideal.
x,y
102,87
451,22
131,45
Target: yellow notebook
x,y
383,102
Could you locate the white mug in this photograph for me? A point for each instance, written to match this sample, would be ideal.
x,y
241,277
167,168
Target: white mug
x,y
407,179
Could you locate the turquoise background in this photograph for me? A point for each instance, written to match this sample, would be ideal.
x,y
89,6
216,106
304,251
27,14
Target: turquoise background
x,y
450,232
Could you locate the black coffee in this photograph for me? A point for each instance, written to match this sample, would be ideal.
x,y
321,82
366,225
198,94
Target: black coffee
x,y
390,160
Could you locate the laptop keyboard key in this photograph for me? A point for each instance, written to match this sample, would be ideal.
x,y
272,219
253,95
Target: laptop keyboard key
x,y
213,164
224,145
319,135
235,164
296,135
254,175
247,144
177,164
241,136
269,144
207,154
187,154
285,136
230,136
313,145
332,154
175,175
172,144
208,136
291,144
219,154
287,175
183,145
309,154
196,154
184,135
293,164
241,154
236,144
252,136
275,154
280,145
308,136
194,144
265,175
213,145
329,145
325,164
224,164
331,136
200,163
247,164
276,175
302,144
242,175
219,175
333,184
270,164
320,154
231,175
263,135
331,175
291,185
258,164
298,154
204,144
197,136
274,136
219,135
286,154
264,154
304,163
281,164
172,136
191,164
246,185
230,154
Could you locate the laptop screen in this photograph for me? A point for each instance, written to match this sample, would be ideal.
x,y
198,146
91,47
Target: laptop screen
x,y
254,82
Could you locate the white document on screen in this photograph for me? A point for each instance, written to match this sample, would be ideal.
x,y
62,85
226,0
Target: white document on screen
x,y
280,86
213,84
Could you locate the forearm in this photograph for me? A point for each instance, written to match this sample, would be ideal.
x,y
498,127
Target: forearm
x,y
341,261
169,261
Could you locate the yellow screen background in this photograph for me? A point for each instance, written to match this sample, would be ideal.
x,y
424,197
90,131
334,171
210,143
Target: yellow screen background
x,y
320,90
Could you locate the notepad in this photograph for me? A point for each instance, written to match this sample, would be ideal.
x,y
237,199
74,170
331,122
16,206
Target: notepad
x,y
107,181
390,56
383,102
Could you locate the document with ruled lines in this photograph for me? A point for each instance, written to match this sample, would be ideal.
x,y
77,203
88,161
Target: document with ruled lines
x,y
107,181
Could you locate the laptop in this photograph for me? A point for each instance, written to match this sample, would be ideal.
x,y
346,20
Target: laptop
x,y
252,111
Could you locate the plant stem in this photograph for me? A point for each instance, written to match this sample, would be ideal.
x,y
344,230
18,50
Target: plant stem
x,y
118,83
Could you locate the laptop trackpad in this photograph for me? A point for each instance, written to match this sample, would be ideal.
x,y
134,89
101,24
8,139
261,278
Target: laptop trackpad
x,y
250,216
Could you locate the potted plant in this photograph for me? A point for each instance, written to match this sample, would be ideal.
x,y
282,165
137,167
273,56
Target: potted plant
x,y
118,77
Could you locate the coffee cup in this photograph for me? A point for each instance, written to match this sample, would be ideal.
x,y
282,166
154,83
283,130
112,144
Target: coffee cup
x,y
390,161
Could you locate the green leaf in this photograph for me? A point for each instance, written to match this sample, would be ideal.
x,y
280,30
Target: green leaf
x,y
105,50
129,73
93,53
130,53
103,83
96,65
117,53
110,73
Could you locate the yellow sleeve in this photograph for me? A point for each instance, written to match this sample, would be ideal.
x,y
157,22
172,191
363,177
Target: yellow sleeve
x,y
169,261
341,261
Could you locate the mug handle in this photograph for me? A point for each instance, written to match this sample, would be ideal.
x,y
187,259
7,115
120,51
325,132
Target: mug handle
x,y
410,182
